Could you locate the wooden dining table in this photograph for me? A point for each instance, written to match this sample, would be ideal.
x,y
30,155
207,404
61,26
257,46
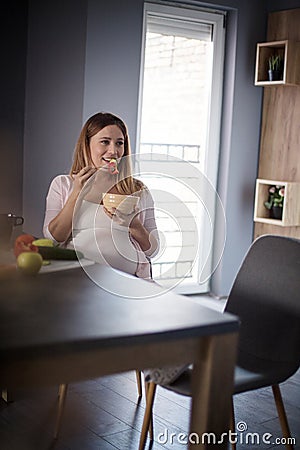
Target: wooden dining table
x,y
71,325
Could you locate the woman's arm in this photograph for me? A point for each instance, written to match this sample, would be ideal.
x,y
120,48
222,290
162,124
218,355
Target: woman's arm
x,y
140,234
143,227
61,202
57,196
60,226
141,224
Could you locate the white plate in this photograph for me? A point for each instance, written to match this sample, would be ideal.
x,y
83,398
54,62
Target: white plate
x,y
56,265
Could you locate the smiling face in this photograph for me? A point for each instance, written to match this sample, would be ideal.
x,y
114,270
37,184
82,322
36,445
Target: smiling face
x,y
108,143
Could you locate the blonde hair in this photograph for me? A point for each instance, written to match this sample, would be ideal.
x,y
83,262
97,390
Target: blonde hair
x,y
125,183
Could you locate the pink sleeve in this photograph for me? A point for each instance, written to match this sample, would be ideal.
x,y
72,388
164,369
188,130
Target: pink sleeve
x,y
57,196
149,222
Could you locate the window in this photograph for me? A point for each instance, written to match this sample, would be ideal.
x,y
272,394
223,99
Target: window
x,y
179,127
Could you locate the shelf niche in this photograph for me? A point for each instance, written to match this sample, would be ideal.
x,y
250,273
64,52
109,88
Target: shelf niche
x,y
291,203
289,51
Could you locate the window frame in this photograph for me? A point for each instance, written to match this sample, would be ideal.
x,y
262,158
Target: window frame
x,y
217,19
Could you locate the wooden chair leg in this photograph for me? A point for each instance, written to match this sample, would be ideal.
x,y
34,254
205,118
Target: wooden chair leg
x,y
232,423
139,382
62,393
150,394
7,396
150,429
282,416
61,390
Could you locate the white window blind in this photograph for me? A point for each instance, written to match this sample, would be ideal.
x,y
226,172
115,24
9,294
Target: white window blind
x,y
183,28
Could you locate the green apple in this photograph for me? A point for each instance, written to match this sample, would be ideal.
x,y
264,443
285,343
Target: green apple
x,y
29,262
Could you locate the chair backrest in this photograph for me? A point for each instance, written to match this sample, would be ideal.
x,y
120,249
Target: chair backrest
x,y
266,298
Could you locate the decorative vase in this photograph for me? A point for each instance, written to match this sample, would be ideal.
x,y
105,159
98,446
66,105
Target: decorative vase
x,y
276,212
275,75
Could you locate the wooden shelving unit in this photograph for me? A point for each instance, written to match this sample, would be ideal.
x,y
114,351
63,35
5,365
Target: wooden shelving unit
x,y
291,203
289,50
279,140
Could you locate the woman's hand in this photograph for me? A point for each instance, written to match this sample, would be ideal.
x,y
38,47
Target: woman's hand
x,y
125,220
61,226
81,177
135,227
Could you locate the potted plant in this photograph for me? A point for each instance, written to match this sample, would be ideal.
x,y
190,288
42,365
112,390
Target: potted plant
x,y
275,201
275,64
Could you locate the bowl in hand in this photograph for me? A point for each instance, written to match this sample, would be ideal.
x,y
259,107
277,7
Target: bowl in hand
x,y
124,203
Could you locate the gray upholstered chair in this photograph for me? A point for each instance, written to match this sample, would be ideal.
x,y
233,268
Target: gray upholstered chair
x,y
266,297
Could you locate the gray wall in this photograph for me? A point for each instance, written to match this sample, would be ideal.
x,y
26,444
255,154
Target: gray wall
x,y
84,56
13,44
240,137
54,98
113,52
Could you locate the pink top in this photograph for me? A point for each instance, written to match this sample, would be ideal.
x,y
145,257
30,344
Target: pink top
x,y
59,191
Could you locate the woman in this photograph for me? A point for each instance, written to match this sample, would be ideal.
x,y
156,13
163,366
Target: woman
x,y
101,165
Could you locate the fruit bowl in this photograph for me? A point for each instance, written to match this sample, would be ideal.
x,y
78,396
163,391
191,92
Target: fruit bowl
x,y
123,203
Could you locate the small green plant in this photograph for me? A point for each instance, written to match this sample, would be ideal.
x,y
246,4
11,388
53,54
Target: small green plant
x,y
275,62
276,197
